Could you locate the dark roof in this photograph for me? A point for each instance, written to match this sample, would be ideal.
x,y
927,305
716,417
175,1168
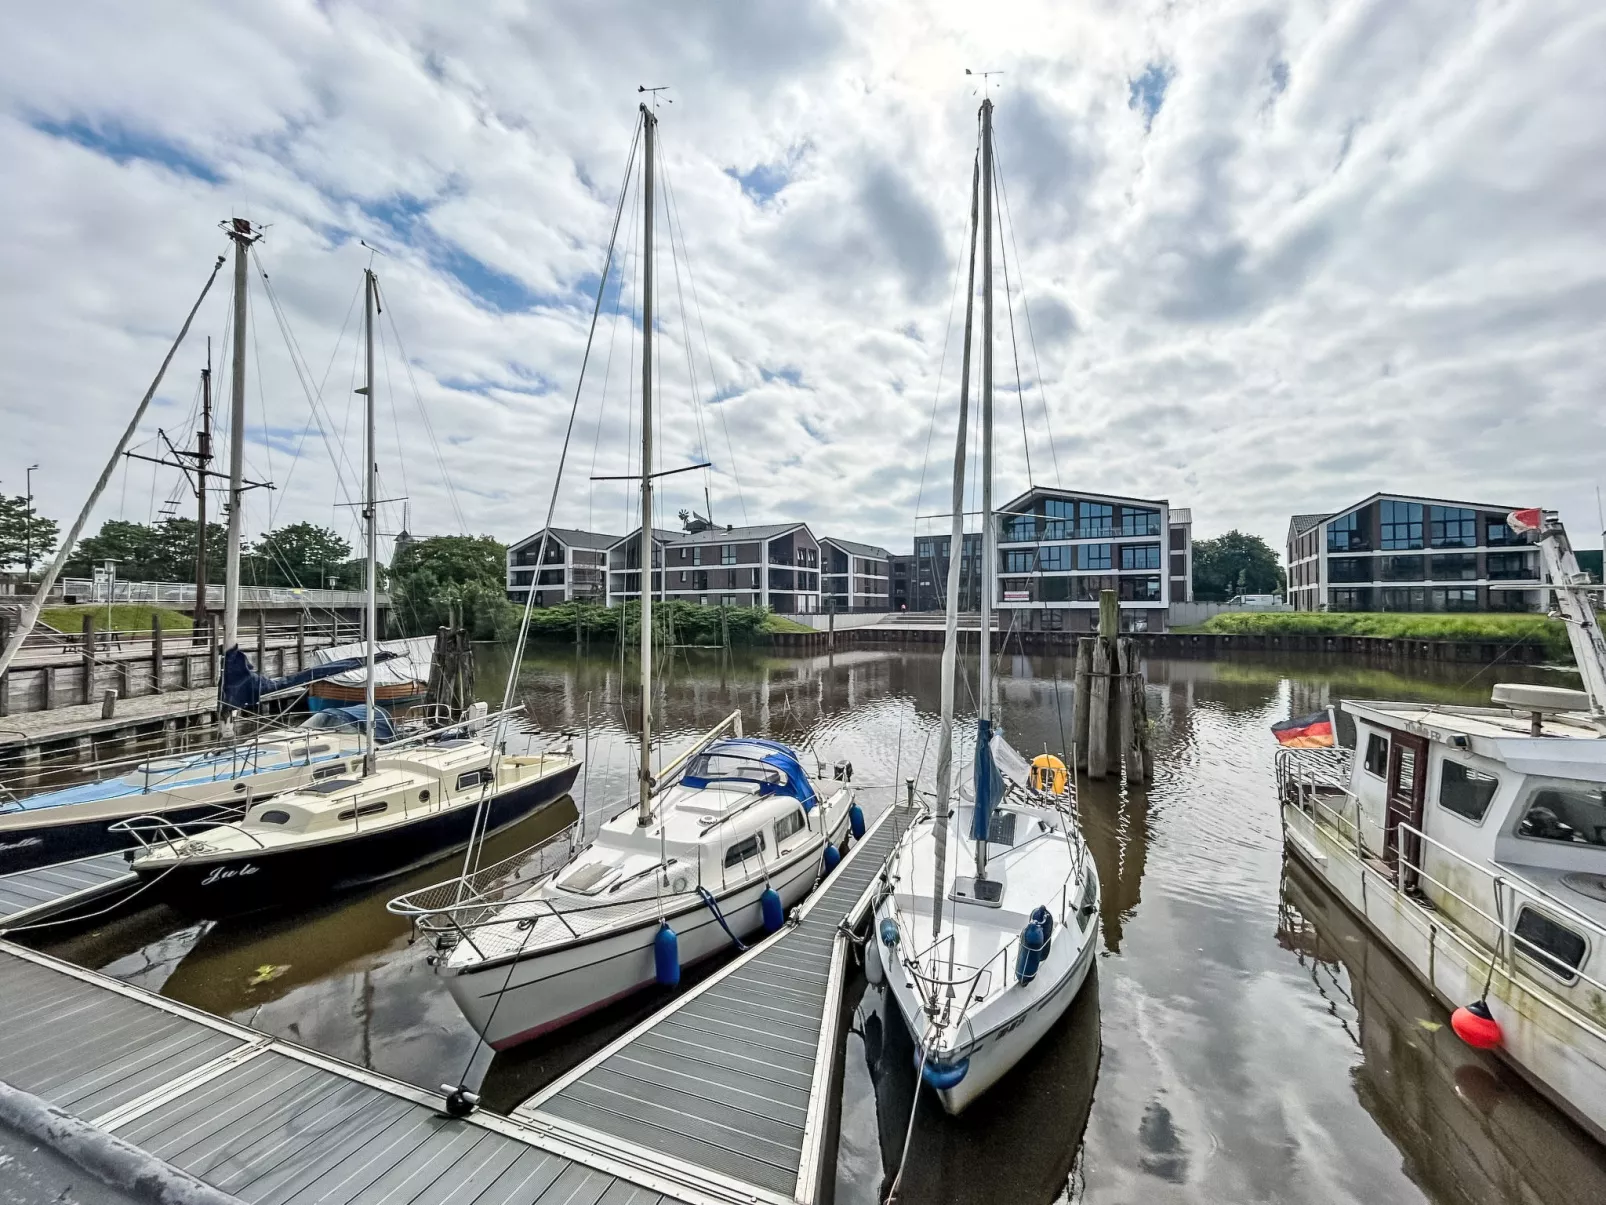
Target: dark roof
x,y
659,536
1303,523
571,537
854,548
1058,491
734,535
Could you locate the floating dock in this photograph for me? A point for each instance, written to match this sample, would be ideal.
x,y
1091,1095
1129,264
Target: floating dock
x,y
730,1086
30,896
724,1096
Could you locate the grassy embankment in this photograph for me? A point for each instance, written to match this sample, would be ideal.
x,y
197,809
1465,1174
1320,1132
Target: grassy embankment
x,y
1501,628
119,617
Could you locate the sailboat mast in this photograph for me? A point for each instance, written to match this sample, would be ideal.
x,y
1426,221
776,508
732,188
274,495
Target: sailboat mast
x,y
369,514
240,232
203,466
649,124
950,641
989,568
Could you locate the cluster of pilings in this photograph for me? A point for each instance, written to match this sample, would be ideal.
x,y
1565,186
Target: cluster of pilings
x,y
451,672
1111,724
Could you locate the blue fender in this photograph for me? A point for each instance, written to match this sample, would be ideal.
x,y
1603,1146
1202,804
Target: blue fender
x,y
856,822
666,955
769,905
942,1077
832,857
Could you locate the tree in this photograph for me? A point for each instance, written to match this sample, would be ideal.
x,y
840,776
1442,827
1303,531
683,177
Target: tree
x,y
24,530
302,554
1235,563
466,576
162,552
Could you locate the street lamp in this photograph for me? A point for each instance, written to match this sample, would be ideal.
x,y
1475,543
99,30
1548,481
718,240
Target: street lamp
x,y
27,530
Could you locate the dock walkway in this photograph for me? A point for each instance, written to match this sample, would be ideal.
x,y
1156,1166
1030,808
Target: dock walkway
x,y
29,896
731,1084
262,1119
29,732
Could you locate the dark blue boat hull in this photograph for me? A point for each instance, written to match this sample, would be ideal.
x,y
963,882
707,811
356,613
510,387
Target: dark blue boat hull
x,y
299,875
47,844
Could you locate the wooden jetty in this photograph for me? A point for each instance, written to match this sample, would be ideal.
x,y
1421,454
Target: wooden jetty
x,y
25,738
724,1096
729,1087
46,892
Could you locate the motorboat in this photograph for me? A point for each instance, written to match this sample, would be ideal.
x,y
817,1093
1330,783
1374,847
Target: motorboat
x,y
1472,842
984,918
75,822
410,809
741,821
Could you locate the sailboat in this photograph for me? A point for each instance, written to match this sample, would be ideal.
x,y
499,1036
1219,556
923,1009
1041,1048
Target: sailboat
x,y
87,819
717,846
984,927
401,810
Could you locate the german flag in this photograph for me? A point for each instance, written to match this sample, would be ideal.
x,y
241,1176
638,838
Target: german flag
x,y
1313,731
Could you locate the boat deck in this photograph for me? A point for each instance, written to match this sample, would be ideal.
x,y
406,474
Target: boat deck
x,y
729,1086
263,1119
29,896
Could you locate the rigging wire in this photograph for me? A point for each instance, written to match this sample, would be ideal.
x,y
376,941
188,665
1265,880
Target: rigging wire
x,y
423,413
685,329
607,372
1026,309
1020,389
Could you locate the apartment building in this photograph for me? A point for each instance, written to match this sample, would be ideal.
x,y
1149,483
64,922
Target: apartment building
x,y
775,565
1058,550
854,576
928,581
573,568
1398,552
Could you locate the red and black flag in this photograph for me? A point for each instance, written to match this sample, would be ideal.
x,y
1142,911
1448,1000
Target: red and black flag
x,y
1314,731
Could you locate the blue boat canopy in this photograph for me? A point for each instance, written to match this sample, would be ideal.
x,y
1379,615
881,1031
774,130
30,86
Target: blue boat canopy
x,y
774,767
244,688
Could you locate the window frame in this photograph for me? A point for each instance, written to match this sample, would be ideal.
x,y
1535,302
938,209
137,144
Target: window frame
x,y
1366,761
1438,798
735,855
1520,944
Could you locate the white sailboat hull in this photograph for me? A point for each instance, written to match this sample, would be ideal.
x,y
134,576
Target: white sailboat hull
x,y
511,1001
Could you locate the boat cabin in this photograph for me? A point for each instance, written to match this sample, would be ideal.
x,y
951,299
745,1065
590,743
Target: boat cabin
x,y
1496,817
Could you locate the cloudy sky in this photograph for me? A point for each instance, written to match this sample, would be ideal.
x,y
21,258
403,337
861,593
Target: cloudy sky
x,y
1274,255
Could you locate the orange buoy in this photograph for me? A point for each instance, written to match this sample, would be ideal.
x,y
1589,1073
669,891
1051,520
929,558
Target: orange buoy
x,y
1474,1026
1049,775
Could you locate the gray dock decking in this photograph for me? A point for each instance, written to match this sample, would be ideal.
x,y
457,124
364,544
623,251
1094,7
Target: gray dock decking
x,y
27,896
733,1077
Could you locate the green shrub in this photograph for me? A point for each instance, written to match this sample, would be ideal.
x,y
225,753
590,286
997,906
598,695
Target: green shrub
x,y
673,623
1497,627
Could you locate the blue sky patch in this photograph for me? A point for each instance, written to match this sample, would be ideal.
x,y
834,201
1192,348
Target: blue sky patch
x,y
492,289
762,183
1147,93
124,145
792,376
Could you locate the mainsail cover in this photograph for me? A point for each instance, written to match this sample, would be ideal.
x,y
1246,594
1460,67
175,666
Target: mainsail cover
x,y
989,782
243,688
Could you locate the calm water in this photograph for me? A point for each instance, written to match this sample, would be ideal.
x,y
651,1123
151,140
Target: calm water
x,y
1242,1040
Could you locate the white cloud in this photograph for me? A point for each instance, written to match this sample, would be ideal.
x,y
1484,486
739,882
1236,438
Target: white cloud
x,y
1278,255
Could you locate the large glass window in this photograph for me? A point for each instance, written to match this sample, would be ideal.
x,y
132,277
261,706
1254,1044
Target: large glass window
x,y
1093,556
1452,527
1404,598
1453,567
1019,560
1140,556
727,554
1054,589
1350,598
1054,558
1465,791
1094,519
1349,569
1401,568
1087,589
1574,812
1453,598
1139,521
1511,566
1351,532
1060,519
1020,527
1139,589
1402,525
1496,533
1377,754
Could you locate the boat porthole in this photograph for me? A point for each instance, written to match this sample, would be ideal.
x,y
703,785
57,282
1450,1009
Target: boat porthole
x,y
423,797
680,884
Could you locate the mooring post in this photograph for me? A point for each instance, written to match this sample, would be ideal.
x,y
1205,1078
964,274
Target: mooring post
x,y
1082,704
1098,699
262,642
1131,756
301,642
156,653
89,658
108,705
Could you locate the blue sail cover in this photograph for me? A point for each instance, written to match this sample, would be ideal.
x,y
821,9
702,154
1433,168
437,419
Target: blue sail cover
x,y
706,767
244,688
989,783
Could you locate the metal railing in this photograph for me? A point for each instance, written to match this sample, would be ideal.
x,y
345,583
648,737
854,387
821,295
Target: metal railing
x,y
44,640
1496,938
183,594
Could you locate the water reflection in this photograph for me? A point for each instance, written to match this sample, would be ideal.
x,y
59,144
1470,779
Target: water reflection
x,y
1209,1059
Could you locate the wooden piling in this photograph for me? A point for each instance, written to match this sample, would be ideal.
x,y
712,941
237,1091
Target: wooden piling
x,y
1130,702
1098,700
301,642
262,641
89,659
1081,704
156,653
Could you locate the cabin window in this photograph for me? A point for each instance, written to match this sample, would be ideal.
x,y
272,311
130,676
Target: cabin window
x,y
274,816
787,825
318,749
472,779
328,772
1085,907
1552,945
1465,791
1377,754
743,850
367,809
423,797
1574,812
